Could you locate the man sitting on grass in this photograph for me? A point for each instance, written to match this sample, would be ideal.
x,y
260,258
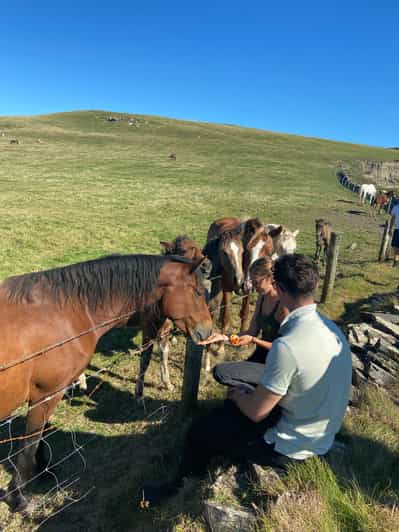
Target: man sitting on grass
x,y
298,406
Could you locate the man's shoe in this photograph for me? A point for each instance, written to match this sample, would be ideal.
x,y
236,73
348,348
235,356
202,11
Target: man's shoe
x,y
154,494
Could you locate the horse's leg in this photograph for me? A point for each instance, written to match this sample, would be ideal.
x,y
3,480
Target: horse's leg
x,y
226,309
318,251
214,309
244,313
150,331
26,463
163,343
145,359
82,382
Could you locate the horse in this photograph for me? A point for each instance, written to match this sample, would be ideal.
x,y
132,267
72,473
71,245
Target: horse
x,y
382,200
367,192
258,242
323,238
51,321
232,246
284,241
184,247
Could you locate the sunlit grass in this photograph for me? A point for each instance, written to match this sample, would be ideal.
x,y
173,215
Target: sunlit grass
x,y
93,187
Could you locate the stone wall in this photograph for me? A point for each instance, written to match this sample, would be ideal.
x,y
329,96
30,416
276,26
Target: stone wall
x,y
383,173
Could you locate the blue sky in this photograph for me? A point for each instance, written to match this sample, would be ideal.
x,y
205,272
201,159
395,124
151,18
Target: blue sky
x,y
323,69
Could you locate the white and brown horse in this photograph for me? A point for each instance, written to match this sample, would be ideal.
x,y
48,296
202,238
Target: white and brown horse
x,y
284,242
232,246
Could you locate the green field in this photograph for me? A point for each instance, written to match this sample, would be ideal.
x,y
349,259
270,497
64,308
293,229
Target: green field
x,y
91,187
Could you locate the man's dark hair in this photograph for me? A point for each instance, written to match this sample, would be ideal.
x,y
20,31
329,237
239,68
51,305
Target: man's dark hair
x,y
296,274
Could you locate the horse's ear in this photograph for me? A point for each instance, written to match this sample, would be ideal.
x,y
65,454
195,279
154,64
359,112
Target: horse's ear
x,y
295,233
167,245
275,232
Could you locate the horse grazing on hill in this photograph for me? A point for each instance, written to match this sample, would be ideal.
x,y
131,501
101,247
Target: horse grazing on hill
x,y
367,192
284,241
323,238
51,321
184,247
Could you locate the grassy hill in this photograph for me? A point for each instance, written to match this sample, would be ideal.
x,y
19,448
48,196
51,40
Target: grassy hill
x,y
92,187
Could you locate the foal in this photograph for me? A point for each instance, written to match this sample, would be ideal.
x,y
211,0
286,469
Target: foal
x,y
185,247
323,237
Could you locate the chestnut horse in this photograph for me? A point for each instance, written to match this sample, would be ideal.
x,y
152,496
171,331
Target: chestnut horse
x,y
232,246
184,247
258,242
51,321
381,201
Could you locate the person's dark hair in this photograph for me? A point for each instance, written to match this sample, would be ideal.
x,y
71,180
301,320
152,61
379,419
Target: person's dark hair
x,y
296,274
262,267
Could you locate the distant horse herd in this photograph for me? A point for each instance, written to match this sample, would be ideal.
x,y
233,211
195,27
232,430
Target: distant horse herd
x,y
379,200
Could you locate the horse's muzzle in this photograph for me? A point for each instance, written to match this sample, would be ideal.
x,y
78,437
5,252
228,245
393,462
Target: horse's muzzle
x,y
201,332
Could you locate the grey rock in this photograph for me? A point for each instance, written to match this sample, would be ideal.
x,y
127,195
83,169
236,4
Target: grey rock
x,y
222,518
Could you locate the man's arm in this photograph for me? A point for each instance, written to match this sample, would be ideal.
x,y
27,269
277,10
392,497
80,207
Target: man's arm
x,y
257,405
279,370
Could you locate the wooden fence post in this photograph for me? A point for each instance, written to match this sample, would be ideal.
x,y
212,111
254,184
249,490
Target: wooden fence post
x,y
192,373
384,242
391,229
331,268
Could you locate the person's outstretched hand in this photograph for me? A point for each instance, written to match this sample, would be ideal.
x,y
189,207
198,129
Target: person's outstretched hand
x,y
214,338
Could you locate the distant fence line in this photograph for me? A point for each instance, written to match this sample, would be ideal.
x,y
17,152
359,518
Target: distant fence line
x,y
388,226
347,182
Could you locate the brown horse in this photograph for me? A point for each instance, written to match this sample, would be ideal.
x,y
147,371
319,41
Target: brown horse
x,y
258,242
232,246
323,238
184,247
40,310
381,200
225,250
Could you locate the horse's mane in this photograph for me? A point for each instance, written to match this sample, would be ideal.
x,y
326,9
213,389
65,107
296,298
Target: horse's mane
x,y
130,278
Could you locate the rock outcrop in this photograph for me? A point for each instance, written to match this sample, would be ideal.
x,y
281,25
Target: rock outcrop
x,y
383,173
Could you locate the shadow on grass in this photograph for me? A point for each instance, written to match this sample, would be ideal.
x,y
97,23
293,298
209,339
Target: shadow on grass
x,y
376,302
109,471
117,340
357,213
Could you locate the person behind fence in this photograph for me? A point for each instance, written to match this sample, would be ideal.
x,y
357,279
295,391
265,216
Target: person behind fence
x,y
267,318
298,406
395,237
